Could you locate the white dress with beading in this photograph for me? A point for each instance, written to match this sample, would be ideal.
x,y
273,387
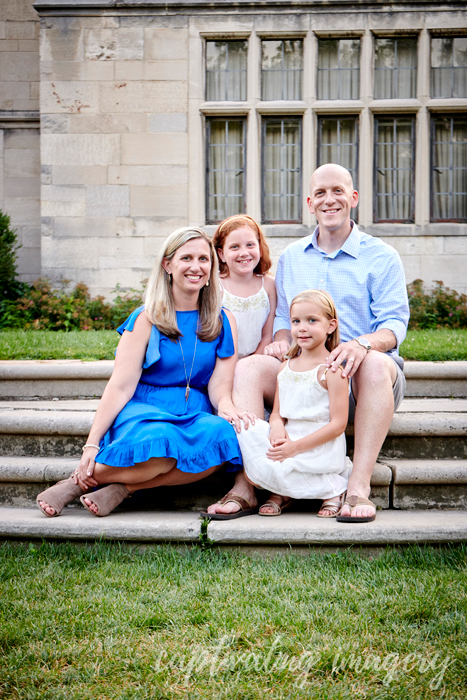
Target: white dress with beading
x,y
251,313
322,472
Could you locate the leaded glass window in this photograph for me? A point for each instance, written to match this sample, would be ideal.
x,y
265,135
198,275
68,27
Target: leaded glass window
x,y
394,168
395,68
282,170
225,176
338,69
281,69
338,143
226,70
449,168
449,66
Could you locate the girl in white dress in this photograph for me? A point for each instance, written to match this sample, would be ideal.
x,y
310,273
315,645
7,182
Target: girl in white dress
x,y
301,453
248,292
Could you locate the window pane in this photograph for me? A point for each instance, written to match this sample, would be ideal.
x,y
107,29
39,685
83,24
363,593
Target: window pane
x,y
449,176
225,180
337,143
395,68
281,74
281,170
338,69
226,66
394,169
449,67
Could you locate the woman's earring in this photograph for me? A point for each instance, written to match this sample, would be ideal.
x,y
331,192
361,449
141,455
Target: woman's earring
x,y
207,283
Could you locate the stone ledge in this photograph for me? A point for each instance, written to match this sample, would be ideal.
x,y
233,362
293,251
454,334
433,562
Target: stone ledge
x,y
390,527
430,418
55,369
435,370
428,471
78,524
102,369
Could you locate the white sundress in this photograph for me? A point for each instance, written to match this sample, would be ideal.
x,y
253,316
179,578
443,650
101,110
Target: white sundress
x,y
322,472
251,314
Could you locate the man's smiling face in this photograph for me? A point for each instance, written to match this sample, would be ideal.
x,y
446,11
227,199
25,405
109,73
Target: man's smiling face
x,y
332,197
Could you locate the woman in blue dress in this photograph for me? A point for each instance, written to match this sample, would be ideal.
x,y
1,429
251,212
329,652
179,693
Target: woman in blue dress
x,y
154,425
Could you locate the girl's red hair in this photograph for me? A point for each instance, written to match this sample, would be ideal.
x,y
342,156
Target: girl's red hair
x,y
232,224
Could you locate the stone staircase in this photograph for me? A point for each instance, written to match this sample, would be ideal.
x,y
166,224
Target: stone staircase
x,y
419,482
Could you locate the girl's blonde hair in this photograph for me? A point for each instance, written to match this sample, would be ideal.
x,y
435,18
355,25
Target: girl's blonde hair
x,y
159,301
324,300
232,224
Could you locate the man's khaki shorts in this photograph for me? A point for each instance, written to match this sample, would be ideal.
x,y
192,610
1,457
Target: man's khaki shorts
x,y
398,391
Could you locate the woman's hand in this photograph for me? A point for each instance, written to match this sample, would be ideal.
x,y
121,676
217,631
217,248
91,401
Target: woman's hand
x,y
83,475
235,417
283,449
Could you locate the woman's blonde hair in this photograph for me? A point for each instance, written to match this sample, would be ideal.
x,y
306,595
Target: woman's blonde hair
x,y
159,301
232,224
324,300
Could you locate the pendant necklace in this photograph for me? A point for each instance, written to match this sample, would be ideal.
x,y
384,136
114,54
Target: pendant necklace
x,y
188,378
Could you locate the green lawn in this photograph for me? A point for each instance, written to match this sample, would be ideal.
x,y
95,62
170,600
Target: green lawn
x,y
108,622
444,344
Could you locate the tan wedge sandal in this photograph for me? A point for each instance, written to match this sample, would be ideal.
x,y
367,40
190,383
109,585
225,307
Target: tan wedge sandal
x,y
106,499
59,496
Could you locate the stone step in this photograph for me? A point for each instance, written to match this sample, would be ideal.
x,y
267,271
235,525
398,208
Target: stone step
x,y
400,484
76,378
22,478
428,484
291,529
421,429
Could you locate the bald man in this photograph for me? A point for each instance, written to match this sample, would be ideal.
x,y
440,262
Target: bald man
x,y
366,279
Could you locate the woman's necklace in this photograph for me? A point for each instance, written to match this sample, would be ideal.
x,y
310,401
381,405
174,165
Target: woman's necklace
x,y
188,378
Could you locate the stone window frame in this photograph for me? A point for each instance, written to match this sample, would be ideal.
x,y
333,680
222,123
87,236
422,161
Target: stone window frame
x,y
310,108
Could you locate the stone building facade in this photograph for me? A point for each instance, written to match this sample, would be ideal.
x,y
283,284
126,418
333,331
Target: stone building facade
x,y
158,114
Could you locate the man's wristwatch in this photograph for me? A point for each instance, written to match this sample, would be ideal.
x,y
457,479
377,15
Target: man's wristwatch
x,y
364,342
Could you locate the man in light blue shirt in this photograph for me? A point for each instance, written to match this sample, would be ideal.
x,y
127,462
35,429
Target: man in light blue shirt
x,y
366,280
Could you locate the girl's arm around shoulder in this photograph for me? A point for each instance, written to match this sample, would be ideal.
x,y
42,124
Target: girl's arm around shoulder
x,y
266,337
338,389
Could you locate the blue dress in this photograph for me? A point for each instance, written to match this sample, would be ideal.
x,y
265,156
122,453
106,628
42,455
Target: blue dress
x,y
158,421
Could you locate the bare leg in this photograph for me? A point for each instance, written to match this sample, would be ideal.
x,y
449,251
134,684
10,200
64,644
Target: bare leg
x,y
171,477
372,387
254,384
104,474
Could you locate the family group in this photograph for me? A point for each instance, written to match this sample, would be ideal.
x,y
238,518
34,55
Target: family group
x,y
218,339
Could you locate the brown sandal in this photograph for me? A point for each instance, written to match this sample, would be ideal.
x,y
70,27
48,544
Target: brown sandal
x,y
59,496
106,499
276,507
245,508
353,501
332,504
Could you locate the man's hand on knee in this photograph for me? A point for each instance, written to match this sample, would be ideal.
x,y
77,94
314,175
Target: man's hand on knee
x,y
351,353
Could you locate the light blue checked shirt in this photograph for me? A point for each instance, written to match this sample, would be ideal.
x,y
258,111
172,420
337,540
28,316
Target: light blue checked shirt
x,y
365,279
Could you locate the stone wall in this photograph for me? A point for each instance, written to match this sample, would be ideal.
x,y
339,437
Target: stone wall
x,y
114,145
122,115
19,129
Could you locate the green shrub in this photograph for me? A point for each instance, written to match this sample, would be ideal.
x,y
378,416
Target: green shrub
x,y
43,308
10,288
439,308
